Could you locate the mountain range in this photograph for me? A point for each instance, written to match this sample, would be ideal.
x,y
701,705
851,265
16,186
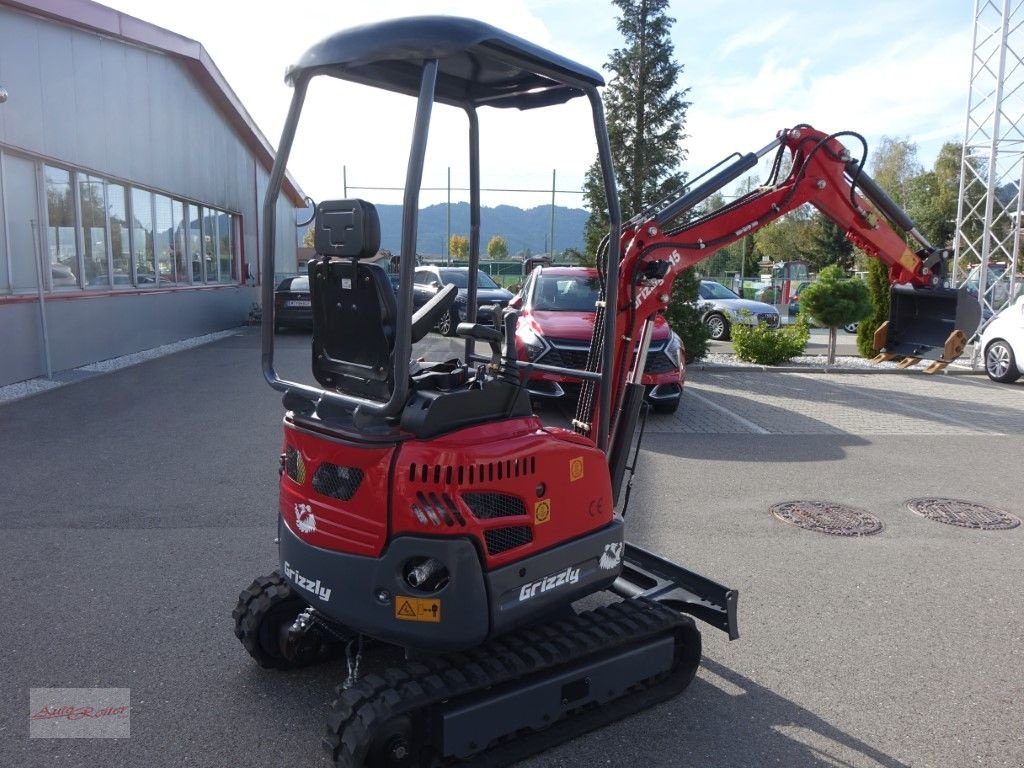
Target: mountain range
x,y
524,230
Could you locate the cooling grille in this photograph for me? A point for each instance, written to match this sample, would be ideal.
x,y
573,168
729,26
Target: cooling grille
x,y
473,474
336,481
486,506
503,539
429,508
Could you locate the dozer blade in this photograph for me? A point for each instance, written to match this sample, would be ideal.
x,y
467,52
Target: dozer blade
x,y
928,323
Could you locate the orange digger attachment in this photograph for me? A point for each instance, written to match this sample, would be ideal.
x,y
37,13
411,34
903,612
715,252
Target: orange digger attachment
x,y
927,324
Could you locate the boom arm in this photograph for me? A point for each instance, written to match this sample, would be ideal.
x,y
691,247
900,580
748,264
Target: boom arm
x,y
653,251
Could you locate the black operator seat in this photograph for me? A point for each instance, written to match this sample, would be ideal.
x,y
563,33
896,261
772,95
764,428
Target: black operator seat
x,y
355,312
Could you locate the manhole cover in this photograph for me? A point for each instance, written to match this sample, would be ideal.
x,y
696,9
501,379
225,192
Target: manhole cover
x,y
966,514
827,517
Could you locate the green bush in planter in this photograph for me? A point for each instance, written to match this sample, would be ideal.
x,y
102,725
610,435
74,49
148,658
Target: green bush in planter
x,y
770,346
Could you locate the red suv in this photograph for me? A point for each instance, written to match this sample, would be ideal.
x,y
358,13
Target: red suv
x,y
556,320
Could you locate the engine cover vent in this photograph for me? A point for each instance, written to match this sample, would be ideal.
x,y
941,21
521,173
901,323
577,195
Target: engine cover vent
x,y
486,506
473,474
336,481
502,539
294,466
429,509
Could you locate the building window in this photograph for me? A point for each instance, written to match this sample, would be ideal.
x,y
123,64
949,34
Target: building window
x,y
210,244
225,247
93,208
5,267
60,229
164,239
142,237
195,241
120,241
100,233
179,240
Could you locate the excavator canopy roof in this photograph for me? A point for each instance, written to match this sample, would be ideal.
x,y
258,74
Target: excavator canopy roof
x,y
478,65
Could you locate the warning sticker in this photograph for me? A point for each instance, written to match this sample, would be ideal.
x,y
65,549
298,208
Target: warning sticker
x,y
575,469
542,511
417,609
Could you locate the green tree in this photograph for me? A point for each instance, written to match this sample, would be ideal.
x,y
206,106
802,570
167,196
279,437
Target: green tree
x,y
893,166
458,247
572,255
831,245
789,238
497,248
646,115
683,317
835,302
309,239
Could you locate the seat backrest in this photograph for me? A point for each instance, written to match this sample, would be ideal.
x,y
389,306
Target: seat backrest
x,y
354,321
354,307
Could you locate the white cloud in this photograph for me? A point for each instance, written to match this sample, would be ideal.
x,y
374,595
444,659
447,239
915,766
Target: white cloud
x,y
754,35
833,68
915,88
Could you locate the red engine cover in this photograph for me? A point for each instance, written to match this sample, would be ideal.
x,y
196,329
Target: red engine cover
x,y
514,486
334,494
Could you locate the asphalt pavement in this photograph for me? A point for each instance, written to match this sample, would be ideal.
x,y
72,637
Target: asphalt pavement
x,y
135,506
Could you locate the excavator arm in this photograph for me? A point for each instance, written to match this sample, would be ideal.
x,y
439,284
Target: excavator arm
x,y
928,319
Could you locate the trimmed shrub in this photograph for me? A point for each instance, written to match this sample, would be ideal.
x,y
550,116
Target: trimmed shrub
x,y
685,318
770,346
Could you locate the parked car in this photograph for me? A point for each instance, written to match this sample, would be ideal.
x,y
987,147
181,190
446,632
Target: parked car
x,y
293,307
1002,343
429,280
556,322
721,309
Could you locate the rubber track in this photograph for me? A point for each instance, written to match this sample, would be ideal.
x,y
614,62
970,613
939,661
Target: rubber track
x,y
258,598
416,688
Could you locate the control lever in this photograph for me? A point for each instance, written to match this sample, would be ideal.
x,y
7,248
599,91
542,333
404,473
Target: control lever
x,y
487,333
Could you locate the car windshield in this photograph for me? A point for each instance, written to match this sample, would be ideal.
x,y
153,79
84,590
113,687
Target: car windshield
x,y
460,278
560,293
711,290
298,284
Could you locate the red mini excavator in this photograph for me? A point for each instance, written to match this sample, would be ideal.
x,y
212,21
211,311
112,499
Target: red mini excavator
x,y
423,506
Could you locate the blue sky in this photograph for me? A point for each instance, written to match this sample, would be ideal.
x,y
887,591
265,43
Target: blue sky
x,y
877,67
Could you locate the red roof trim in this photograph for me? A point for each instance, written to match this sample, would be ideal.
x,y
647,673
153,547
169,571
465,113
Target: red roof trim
x,y
86,14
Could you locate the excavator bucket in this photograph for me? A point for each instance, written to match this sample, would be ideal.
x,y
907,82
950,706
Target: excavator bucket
x,y
927,324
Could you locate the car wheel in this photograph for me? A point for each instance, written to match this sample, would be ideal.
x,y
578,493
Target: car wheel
x,y
448,323
718,327
1000,364
851,327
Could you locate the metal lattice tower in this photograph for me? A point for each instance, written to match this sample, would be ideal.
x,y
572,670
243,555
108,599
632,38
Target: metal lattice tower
x,y
992,169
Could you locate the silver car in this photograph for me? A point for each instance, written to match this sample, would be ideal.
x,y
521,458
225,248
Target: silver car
x,y
721,309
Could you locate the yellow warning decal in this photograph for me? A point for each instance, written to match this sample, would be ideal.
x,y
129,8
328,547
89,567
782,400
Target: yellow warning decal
x,y
909,261
417,609
575,469
542,511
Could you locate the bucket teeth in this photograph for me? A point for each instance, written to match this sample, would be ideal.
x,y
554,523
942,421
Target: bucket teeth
x,y
935,367
906,362
879,338
884,357
954,346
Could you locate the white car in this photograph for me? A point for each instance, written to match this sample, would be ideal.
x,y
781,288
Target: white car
x,y
1002,343
721,309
